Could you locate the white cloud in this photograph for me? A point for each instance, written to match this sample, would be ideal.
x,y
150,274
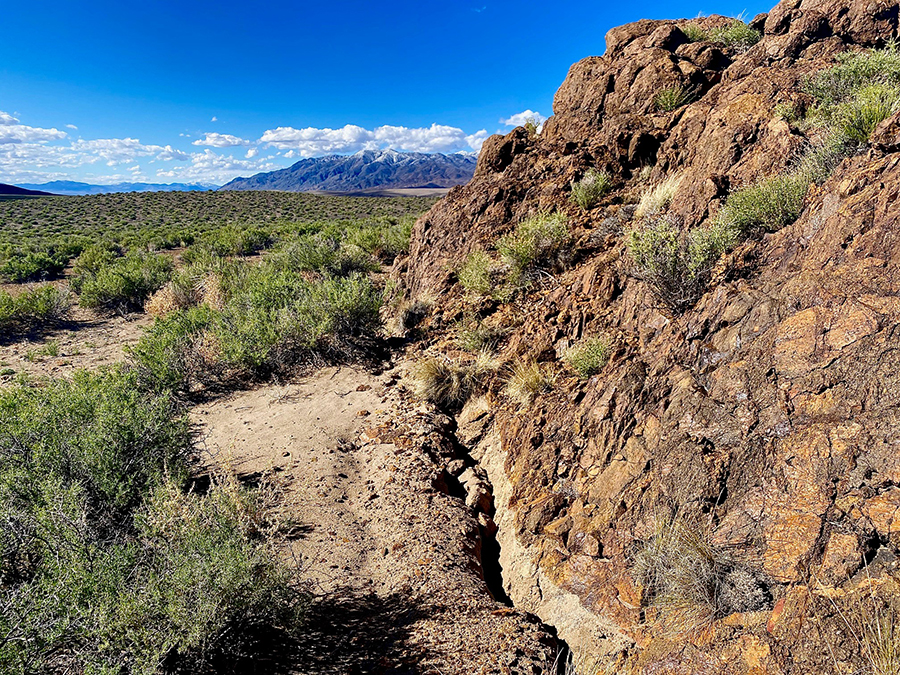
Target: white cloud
x,y
170,154
12,131
252,152
114,150
477,139
311,141
214,119
215,140
71,126
211,167
519,119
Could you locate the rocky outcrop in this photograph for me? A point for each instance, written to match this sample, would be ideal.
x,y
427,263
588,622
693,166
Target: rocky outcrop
x,y
770,411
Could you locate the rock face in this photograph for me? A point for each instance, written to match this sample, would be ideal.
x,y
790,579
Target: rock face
x,y
769,412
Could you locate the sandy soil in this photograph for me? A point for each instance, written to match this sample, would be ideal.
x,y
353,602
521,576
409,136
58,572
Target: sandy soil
x,y
390,546
88,340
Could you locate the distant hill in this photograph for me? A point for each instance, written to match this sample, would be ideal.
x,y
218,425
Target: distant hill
x,y
16,191
68,187
367,170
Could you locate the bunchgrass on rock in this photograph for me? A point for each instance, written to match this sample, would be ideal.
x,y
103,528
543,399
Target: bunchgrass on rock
x,y
588,356
671,98
526,380
591,188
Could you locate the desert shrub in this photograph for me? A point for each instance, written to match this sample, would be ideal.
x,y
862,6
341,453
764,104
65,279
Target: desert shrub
x,y
412,311
692,582
535,241
694,33
98,431
269,317
854,71
588,191
183,291
736,34
588,356
91,260
674,265
385,238
655,200
785,111
475,274
33,308
858,115
169,355
449,384
767,205
526,380
125,283
671,98
236,240
21,266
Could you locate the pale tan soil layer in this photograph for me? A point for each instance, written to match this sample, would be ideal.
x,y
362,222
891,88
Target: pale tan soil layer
x,y
86,341
393,558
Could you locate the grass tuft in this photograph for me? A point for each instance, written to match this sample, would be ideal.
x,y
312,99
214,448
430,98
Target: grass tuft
x,y
672,98
448,384
588,191
655,200
526,380
588,357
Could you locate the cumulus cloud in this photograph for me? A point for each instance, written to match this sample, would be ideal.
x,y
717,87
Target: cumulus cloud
x,y
214,119
170,154
477,139
12,131
210,166
252,152
215,140
114,150
519,119
312,142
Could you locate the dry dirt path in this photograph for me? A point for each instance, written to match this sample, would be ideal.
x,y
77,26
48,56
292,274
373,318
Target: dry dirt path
x,y
393,557
86,341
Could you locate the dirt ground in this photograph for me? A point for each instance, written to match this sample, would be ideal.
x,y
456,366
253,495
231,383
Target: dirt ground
x,y
391,550
86,341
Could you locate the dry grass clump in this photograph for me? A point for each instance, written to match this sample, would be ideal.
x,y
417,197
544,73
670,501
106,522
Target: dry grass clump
x,y
526,380
449,384
656,200
475,274
692,582
588,356
588,191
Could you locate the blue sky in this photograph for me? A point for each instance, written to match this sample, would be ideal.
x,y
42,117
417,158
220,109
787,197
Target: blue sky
x,y
190,91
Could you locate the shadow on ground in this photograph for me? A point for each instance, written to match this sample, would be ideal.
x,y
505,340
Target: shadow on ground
x,y
345,633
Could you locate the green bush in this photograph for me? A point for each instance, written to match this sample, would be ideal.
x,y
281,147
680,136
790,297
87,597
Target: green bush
x,y
588,191
475,274
677,266
535,241
854,71
671,98
736,34
33,308
21,266
166,357
271,317
107,566
694,33
125,283
858,115
588,356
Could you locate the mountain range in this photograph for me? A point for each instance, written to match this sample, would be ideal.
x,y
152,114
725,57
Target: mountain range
x,y
16,191
71,188
367,170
